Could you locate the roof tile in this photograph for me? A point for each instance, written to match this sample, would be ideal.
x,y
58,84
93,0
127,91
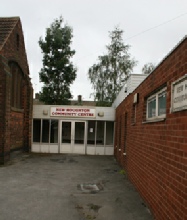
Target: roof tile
x,y
7,24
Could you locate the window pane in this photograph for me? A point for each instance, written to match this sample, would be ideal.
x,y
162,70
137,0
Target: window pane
x,y
100,133
54,131
66,132
45,131
152,108
79,132
91,132
109,132
162,104
36,130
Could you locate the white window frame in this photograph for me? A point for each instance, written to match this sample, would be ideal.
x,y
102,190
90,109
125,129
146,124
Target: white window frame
x,y
152,97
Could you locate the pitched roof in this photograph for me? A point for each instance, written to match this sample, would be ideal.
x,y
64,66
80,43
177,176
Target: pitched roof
x,y
7,25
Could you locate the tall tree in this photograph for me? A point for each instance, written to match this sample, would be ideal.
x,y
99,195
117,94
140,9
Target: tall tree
x,y
148,68
97,74
58,71
112,69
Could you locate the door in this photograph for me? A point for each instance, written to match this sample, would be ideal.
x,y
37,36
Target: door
x,y
79,137
66,137
73,135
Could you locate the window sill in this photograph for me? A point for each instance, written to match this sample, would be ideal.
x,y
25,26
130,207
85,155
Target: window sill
x,y
154,120
17,109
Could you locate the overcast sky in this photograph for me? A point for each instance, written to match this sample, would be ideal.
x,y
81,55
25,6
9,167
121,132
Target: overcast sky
x,y
151,27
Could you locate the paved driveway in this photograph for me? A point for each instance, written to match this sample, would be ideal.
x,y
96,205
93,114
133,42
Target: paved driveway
x,y
67,187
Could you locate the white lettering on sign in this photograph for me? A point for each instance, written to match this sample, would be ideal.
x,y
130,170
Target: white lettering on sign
x,y
73,112
179,94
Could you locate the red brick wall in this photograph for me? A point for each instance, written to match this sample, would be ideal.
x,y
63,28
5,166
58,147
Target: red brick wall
x,y
2,112
5,79
15,124
156,153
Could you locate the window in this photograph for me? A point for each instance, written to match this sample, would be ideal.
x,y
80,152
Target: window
x,y
17,82
79,132
109,132
45,131
100,133
17,41
54,131
66,132
152,107
162,103
91,132
156,105
36,130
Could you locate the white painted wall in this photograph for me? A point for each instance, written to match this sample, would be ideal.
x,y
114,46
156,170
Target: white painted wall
x,y
40,110
131,84
43,112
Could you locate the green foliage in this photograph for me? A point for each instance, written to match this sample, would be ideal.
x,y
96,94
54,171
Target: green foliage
x,y
58,72
122,172
103,103
148,68
108,75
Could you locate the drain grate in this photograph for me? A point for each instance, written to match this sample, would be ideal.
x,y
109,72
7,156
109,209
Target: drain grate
x,y
63,160
90,187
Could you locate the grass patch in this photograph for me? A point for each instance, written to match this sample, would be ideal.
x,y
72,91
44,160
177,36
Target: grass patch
x,y
122,172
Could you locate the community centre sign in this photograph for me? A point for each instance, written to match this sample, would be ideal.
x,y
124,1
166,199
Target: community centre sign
x,y
179,94
79,112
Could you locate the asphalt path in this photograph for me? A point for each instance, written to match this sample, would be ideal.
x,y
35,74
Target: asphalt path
x,y
67,187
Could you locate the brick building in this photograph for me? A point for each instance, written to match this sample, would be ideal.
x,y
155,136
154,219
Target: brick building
x,y
15,90
151,136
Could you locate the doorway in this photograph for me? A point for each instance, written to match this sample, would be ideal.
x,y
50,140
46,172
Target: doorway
x,y
72,137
